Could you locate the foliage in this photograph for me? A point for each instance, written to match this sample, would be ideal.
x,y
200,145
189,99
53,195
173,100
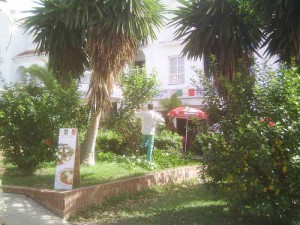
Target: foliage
x,y
228,30
30,117
169,158
280,22
101,35
171,103
138,88
168,141
240,99
254,160
110,141
113,141
208,28
162,159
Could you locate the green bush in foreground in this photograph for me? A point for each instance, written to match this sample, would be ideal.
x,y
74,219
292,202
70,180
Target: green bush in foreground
x,y
30,117
255,161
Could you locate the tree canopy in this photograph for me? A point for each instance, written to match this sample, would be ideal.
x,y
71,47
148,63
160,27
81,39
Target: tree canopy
x,y
100,35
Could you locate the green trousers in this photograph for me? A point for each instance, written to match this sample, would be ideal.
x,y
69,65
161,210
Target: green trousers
x,y
147,141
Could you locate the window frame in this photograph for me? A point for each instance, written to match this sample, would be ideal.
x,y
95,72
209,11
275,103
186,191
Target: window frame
x,y
176,78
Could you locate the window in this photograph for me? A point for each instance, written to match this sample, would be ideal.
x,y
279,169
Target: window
x,y
176,70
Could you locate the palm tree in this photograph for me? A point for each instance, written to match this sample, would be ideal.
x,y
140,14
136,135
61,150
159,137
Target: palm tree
x,y
225,29
102,35
281,26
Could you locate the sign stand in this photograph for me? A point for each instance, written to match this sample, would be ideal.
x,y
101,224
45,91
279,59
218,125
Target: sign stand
x,y
76,178
68,160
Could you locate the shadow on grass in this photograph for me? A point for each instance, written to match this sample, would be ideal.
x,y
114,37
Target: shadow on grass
x,y
175,205
186,204
208,215
45,175
89,179
201,215
13,177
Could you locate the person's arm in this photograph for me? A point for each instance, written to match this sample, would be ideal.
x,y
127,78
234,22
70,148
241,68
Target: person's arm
x,y
160,120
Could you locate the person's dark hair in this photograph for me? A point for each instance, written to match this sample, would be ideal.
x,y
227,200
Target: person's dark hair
x,y
150,106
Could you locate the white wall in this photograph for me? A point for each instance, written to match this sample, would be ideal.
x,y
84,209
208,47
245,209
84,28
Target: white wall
x,y
4,43
157,56
156,53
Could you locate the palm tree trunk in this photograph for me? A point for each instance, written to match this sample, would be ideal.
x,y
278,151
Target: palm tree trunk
x,y
87,149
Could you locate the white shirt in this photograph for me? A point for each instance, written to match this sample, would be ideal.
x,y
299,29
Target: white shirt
x,y
149,119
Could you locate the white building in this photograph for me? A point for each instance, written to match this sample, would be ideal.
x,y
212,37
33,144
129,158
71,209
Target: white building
x,y
164,55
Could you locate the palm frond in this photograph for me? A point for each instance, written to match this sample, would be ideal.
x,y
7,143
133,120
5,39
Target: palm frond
x,y
100,34
43,74
282,27
133,18
217,27
64,45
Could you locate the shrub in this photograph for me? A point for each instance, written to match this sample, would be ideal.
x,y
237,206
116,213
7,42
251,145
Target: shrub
x,y
168,158
110,141
30,117
168,140
162,159
138,88
254,161
170,103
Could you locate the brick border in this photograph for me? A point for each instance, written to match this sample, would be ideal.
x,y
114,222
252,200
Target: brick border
x,y
66,203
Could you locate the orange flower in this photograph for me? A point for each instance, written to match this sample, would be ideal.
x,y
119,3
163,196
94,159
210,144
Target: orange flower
x,y
272,124
48,142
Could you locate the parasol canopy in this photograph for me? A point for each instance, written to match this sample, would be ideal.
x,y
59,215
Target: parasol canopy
x,y
188,113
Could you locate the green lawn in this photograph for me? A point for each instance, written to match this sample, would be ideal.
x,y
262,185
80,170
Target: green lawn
x,y
44,177
187,204
110,167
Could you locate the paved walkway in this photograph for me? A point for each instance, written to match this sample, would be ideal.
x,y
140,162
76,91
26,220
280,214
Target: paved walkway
x,y
18,209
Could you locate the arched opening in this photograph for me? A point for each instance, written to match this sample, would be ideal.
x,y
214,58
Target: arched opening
x,y
139,61
25,78
20,76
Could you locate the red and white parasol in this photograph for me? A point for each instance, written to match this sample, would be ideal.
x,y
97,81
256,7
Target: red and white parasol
x,y
188,113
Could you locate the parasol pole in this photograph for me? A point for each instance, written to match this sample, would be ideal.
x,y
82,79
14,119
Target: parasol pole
x,y
187,121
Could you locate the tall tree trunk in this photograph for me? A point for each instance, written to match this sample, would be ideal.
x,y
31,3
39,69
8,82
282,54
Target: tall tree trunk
x,y
87,149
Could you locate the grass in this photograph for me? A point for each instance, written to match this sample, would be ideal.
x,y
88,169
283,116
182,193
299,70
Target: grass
x,y
110,167
186,204
189,203
44,177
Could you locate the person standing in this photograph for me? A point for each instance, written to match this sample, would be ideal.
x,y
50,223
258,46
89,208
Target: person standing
x,y
149,120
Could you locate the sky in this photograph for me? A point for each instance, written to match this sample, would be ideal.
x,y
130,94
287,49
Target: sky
x,y
20,5
17,8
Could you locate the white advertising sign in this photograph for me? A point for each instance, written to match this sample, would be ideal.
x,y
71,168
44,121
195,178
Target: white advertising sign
x,y
66,158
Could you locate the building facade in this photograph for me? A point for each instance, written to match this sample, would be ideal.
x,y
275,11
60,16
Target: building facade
x,y
163,55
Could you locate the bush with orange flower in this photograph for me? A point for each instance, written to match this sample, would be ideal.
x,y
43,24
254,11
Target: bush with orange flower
x,y
255,161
